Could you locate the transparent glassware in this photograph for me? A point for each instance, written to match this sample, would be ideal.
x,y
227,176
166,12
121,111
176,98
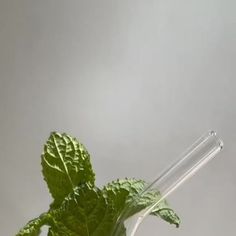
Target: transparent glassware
x,y
195,157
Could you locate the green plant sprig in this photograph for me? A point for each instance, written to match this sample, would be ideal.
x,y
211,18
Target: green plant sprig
x,y
79,208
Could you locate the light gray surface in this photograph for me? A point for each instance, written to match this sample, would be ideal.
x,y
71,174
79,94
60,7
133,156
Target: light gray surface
x,y
136,81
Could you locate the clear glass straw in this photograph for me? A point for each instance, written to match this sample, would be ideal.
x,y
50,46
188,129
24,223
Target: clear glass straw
x,y
195,157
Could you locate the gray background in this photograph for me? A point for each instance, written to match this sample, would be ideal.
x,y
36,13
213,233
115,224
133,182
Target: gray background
x,y
136,82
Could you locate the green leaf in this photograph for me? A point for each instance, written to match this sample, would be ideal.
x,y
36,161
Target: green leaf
x,y
122,192
66,164
166,213
85,212
127,193
32,228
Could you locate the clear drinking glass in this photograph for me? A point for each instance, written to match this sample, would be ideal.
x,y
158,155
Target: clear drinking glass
x,y
195,157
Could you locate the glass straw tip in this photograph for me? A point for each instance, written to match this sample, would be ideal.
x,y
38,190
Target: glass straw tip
x,y
219,141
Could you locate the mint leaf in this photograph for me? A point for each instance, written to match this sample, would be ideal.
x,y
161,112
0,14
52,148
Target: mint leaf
x,y
66,164
166,213
84,212
127,193
32,228
122,192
